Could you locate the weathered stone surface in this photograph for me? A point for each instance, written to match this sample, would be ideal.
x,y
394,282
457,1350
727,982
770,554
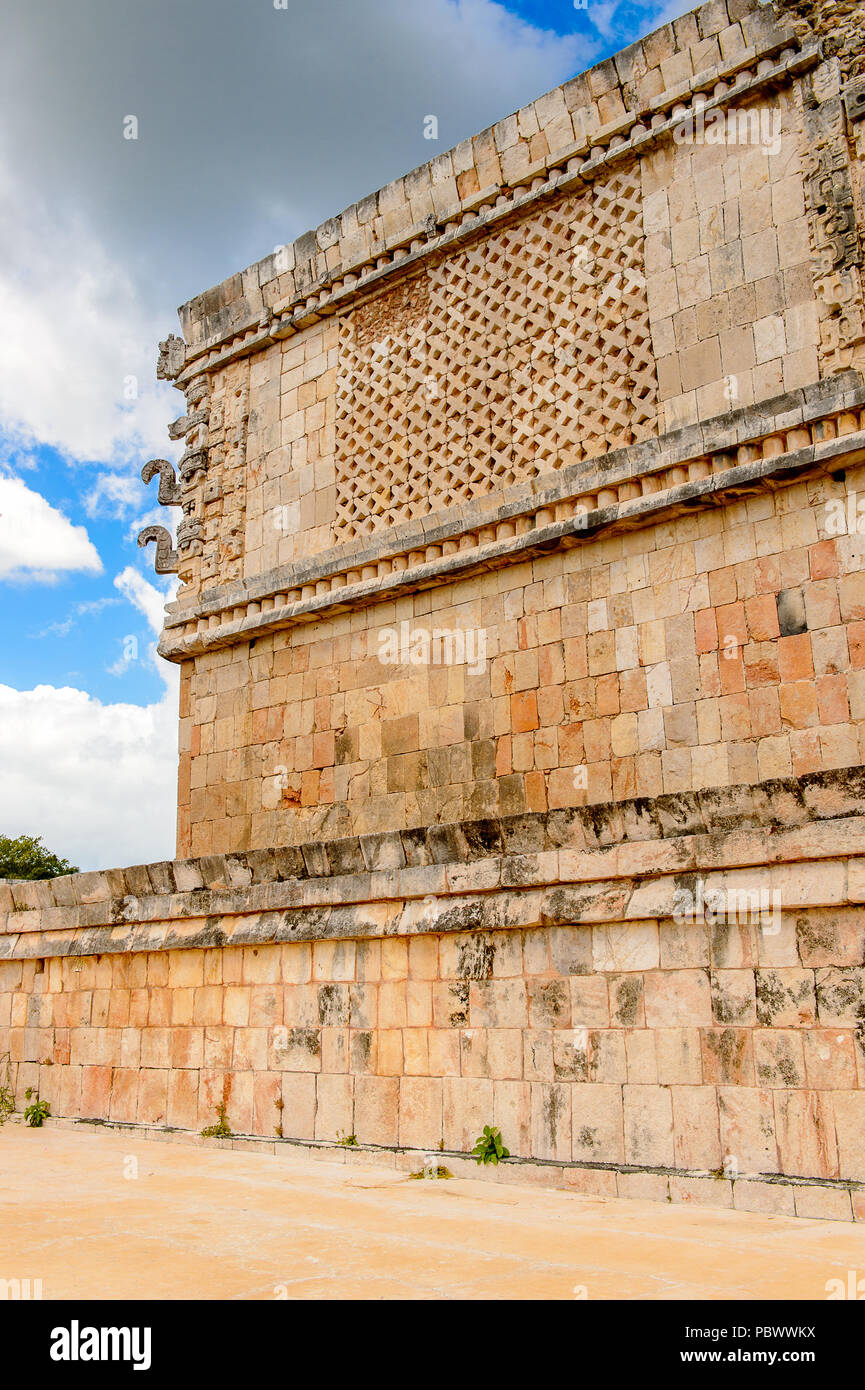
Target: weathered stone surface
x,y
522,628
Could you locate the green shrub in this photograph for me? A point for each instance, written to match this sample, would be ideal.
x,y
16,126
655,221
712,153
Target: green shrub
x,y
489,1147
37,1113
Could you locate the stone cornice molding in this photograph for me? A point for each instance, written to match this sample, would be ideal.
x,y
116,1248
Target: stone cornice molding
x,y
595,864
776,61
820,427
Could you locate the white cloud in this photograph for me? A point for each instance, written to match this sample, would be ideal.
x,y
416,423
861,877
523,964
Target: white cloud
x,y
113,495
145,596
77,339
157,516
36,540
150,601
665,13
96,781
79,610
604,15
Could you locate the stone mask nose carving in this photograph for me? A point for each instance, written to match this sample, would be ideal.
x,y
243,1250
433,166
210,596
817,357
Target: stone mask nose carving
x,y
169,489
166,555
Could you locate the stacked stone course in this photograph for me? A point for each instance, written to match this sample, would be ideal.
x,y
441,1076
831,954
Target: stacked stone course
x,y
587,389
558,994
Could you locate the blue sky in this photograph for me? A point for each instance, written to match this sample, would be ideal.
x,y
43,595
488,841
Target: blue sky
x,y
254,125
615,25
77,626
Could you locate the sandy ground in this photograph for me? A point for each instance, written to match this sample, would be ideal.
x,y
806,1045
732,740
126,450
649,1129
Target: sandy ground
x,y
96,1214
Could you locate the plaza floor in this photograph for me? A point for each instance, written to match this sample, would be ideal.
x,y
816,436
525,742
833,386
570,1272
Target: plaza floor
x,y
97,1214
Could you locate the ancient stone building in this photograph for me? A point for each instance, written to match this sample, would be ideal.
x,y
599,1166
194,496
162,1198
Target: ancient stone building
x,y
522,641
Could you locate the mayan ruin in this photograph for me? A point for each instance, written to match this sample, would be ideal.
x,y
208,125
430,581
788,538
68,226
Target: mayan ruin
x,y
521,637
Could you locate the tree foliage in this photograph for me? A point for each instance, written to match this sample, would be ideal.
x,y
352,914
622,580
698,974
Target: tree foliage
x,y
26,857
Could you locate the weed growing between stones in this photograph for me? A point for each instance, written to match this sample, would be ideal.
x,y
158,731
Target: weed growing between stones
x,y
7,1094
38,1111
222,1129
489,1147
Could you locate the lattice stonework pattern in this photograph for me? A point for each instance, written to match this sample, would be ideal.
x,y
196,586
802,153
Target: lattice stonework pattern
x,y
527,350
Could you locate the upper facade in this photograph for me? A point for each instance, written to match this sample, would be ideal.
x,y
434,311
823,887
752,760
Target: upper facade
x,y
573,390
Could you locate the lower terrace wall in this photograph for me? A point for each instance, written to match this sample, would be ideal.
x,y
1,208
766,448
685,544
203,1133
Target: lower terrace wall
x,y
539,973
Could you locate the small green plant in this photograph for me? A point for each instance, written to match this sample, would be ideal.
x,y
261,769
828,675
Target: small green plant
x,y
36,1114
438,1172
222,1129
348,1141
489,1147
7,1093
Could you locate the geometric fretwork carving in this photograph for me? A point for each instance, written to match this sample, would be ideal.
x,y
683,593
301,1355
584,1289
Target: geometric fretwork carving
x,y
526,350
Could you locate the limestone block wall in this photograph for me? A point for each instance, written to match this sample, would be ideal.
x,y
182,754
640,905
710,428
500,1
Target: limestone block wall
x,y
672,283
667,290
704,648
584,397
522,605
536,972
666,235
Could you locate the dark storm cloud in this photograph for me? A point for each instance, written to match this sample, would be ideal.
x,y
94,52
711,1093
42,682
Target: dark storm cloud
x,y
254,122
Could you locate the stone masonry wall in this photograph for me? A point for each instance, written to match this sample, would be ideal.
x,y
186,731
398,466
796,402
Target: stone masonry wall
x,y
710,649
666,290
587,319
579,274
521,625
534,973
